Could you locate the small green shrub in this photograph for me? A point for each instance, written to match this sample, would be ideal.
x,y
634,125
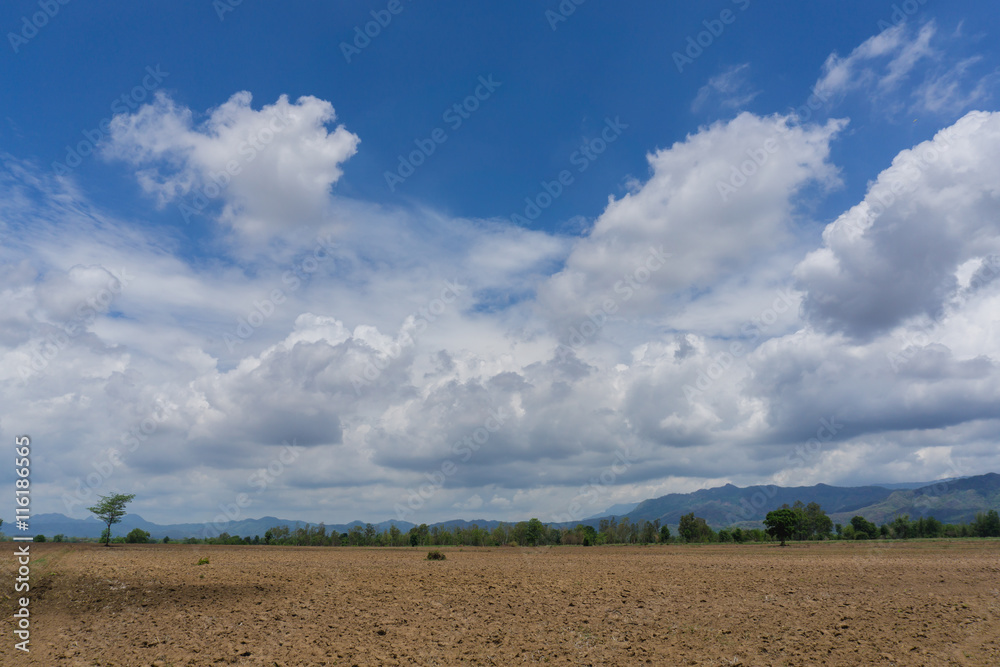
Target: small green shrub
x,y
203,561
435,555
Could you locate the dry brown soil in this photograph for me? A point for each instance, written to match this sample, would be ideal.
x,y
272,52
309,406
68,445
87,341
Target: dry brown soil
x,y
917,603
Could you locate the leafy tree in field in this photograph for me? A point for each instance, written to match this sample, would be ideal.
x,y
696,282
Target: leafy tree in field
x,y
800,531
59,538
901,527
931,528
664,534
820,524
535,533
588,535
864,529
110,510
419,535
986,525
317,536
38,538
137,536
811,521
781,523
694,529
648,533
501,534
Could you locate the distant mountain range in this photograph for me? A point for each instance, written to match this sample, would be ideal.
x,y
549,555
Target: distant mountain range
x,y
951,501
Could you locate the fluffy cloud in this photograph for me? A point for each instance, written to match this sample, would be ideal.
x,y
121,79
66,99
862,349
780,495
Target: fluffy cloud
x,y
714,203
895,256
270,169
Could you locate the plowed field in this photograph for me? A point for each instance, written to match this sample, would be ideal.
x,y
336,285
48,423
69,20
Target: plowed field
x,y
903,603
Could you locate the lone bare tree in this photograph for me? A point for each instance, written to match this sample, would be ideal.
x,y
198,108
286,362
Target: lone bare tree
x,y
110,510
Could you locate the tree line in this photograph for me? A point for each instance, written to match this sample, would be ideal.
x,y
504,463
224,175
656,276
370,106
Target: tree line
x,y
807,522
797,522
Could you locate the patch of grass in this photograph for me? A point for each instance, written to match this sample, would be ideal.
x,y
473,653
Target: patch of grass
x,y
435,555
203,561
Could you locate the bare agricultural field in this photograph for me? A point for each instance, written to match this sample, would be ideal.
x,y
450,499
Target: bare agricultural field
x,y
903,603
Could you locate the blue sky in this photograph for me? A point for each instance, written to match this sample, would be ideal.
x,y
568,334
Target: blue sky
x,y
645,129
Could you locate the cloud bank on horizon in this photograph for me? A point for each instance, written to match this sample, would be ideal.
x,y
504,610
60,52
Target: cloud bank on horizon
x,y
326,355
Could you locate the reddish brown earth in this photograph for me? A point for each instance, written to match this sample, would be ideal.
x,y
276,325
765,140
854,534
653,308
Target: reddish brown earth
x,y
917,603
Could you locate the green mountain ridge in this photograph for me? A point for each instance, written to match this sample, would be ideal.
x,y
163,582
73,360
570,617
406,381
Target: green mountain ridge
x,y
950,501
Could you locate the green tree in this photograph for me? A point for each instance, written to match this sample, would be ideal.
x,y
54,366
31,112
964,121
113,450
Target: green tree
x,y
781,523
110,510
986,525
501,534
864,529
931,528
664,533
901,527
535,533
648,533
694,529
820,525
38,538
317,536
802,530
419,535
59,538
137,536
